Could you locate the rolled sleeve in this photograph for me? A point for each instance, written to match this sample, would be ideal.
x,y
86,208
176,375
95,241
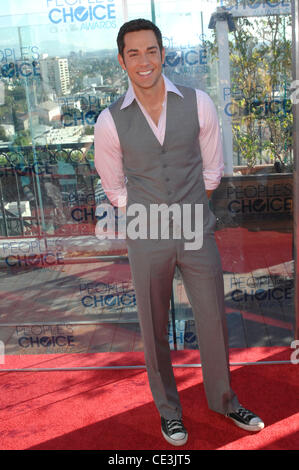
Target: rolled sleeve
x,y
109,159
210,141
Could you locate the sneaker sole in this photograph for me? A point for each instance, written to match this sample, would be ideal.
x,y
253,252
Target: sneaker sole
x,y
254,428
173,442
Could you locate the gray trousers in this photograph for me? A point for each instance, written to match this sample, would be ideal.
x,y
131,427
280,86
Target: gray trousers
x,y
153,264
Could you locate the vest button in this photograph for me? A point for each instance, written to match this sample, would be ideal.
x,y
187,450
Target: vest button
x,y
163,151
167,179
164,165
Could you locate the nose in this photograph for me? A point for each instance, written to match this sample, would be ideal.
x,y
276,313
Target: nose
x,y
144,59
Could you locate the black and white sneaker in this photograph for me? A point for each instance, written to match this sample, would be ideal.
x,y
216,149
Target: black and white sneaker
x,y
246,419
174,432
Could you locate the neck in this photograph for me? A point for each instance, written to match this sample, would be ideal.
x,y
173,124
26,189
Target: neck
x,y
151,96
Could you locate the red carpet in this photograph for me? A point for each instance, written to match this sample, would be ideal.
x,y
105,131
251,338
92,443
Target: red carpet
x,y
113,409
243,250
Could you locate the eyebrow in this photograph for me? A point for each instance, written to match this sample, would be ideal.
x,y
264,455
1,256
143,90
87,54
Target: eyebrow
x,y
148,49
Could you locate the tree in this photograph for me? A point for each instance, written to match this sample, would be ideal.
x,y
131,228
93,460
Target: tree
x,y
261,64
89,130
261,74
22,139
2,134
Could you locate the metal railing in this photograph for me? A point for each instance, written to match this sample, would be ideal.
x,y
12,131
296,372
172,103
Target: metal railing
x,y
64,175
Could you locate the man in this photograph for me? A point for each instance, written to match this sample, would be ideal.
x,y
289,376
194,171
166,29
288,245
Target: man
x,y
160,144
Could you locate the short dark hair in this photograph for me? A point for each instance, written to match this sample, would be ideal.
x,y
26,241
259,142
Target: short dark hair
x,y
137,25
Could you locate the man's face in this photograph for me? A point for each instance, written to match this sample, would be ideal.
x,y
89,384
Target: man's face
x,y
142,58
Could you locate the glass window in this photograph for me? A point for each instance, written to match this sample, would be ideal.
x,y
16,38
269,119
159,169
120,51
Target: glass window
x,y
64,290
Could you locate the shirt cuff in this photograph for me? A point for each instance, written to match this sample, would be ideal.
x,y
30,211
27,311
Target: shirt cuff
x,y
117,197
212,179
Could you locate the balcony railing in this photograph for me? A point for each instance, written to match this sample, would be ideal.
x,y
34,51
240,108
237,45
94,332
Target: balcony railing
x,y
39,187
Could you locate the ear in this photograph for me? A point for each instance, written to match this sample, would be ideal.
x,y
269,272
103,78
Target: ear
x,y
121,62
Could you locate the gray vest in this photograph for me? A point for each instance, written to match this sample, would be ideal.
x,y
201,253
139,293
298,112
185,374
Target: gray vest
x,y
169,173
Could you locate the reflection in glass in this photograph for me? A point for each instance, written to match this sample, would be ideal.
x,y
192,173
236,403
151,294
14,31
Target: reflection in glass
x,y
56,77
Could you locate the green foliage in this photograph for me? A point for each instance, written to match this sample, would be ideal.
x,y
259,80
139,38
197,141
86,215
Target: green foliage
x,y
261,64
22,139
261,73
2,134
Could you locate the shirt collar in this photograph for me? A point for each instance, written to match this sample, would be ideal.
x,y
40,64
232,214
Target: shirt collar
x,y
130,95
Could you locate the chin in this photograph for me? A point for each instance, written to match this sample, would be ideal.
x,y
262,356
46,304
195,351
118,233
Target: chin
x,y
145,85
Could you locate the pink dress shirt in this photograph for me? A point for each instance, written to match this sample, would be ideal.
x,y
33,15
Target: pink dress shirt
x,y
108,154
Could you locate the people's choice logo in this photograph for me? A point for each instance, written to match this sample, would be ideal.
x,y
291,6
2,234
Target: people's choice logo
x,y
80,11
258,6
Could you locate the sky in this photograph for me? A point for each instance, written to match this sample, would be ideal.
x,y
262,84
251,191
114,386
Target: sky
x,y
179,20
42,23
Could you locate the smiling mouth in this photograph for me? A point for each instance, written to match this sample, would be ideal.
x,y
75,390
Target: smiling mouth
x,y
145,74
